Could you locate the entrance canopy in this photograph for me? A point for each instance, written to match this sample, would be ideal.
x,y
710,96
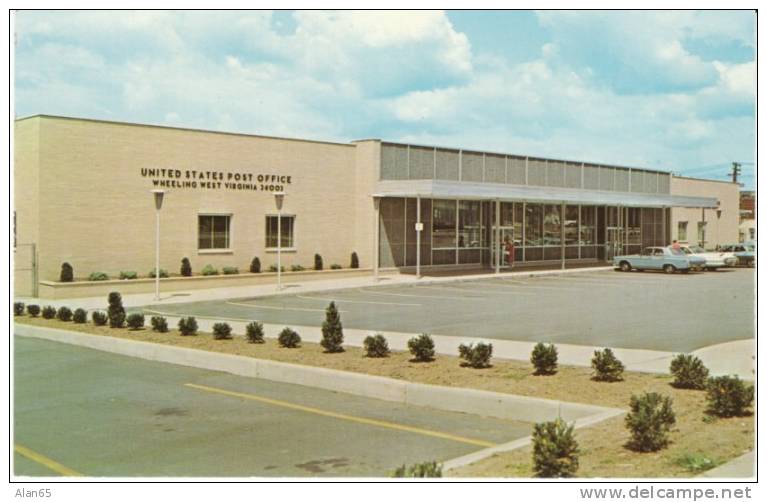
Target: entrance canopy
x,y
442,189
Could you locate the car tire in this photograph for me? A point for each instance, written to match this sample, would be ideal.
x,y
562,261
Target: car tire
x,y
685,271
669,269
625,266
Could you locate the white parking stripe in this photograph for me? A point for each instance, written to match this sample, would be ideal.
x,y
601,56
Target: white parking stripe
x,y
463,290
422,296
256,306
324,299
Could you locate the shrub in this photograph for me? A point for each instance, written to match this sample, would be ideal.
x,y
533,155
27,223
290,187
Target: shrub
x,y
544,358
67,274
376,346
296,268
49,312
115,311
186,267
355,261
728,396
317,262
555,450
18,308
80,316
222,331
163,273
33,310
476,356
135,321
607,367
129,274
696,462
99,318
64,314
273,268
422,347
288,339
209,270
332,330
255,266
335,266
689,372
98,276
159,324
254,332
230,270
187,326
649,421
421,470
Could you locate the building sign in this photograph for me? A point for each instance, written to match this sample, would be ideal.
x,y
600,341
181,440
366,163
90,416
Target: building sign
x,y
215,180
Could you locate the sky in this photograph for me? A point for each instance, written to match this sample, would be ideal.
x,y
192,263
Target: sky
x,y
670,90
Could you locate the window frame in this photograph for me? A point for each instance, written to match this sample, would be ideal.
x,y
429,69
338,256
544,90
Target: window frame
x,y
288,249
229,237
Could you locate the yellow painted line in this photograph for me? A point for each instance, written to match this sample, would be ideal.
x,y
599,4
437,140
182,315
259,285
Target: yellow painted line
x,y
45,461
253,305
341,416
339,301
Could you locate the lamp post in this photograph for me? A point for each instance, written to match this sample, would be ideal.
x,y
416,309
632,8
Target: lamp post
x,y
279,197
158,197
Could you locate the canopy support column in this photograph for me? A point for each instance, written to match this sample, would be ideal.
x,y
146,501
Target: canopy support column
x,y
376,235
497,237
562,233
418,228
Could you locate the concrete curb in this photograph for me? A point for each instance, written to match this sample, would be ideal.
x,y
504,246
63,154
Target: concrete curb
x,y
477,402
739,468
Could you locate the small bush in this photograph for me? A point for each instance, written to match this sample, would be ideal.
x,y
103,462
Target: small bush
x,y
476,356
159,324
689,372
288,339
115,311
135,321
163,273
296,268
355,261
332,330
728,396
421,470
209,270
255,266
49,312
422,347
67,274
544,358
99,318
128,274
18,308
649,421
317,262
98,276
254,332
80,316
376,346
33,310
186,268
273,268
64,314
335,266
555,450
230,270
187,326
696,462
607,367
222,331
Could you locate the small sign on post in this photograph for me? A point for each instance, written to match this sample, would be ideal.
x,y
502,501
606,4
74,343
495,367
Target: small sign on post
x,y
419,227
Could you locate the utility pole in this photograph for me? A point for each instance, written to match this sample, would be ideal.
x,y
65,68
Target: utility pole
x,y
735,171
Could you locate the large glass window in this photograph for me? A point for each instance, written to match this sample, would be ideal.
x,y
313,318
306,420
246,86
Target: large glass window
x,y
470,233
633,227
701,232
213,231
443,224
681,233
286,232
533,225
588,225
552,231
518,226
571,225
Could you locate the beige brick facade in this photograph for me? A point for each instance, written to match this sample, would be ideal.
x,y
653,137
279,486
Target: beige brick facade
x,y
721,224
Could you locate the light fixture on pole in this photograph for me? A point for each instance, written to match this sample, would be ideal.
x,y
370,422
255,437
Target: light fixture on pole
x,y
158,198
279,197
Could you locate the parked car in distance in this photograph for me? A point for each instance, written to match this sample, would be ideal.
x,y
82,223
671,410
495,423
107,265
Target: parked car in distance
x,y
714,259
659,258
745,252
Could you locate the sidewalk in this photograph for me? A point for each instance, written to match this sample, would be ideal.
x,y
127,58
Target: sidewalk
x,y
741,467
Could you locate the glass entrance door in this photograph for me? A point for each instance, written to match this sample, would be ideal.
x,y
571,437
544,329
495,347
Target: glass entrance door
x,y
613,244
506,235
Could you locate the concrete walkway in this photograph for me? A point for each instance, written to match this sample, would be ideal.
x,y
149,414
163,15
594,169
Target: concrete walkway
x,y
741,467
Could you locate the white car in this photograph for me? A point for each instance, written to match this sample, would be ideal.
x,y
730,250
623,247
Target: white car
x,y
714,259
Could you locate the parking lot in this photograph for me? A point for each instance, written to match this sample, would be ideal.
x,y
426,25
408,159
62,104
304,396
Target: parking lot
x,y
637,310
83,412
